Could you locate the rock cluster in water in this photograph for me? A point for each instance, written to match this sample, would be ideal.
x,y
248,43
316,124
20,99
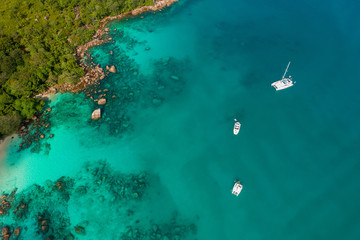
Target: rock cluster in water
x,y
99,35
124,90
113,98
93,73
47,212
159,232
130,90
37,129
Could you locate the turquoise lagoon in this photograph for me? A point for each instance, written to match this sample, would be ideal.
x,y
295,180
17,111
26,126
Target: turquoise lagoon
x,y
183,75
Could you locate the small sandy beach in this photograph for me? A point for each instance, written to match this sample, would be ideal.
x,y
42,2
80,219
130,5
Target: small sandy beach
x,y
4,147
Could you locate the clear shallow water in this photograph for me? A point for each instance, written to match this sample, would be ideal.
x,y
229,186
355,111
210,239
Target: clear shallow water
x,y
183,75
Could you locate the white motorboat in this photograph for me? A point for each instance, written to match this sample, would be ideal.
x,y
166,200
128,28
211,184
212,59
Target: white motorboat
x,y
237,126
237,188
285,82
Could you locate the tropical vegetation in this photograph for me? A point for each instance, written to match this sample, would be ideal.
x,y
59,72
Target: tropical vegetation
x,y
38,39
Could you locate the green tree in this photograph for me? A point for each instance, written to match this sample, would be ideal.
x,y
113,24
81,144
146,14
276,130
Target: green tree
x,y
17,88
5,103
28,106
9,123
38,40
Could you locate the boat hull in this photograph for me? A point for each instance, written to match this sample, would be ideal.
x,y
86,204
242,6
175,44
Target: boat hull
x,y
237,188
237,126
282,84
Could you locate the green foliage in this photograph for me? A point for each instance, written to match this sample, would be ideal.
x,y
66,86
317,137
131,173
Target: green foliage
x,y
6,102
9,123
38,39
28,106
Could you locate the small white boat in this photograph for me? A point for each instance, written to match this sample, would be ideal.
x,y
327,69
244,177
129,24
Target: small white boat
x,y
237,188
237,126
285,82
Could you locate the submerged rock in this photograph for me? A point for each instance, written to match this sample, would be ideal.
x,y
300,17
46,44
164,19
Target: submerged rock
x,y
21,210
112,69
83,224
4,207
135,195
81,190
17,231
156,101
44,226
80,230
5,232
176,78
165,60
129,232
102,101
59,185
155,228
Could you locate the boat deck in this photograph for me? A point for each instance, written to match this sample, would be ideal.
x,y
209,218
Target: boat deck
x,y
282,84
237,188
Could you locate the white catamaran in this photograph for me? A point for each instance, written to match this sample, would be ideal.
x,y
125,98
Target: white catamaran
x,y
285,82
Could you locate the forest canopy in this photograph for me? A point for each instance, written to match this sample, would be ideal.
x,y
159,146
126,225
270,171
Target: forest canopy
x,y
38,40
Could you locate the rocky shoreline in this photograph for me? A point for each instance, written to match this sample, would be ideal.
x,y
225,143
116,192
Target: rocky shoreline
x,y
94,72
97,39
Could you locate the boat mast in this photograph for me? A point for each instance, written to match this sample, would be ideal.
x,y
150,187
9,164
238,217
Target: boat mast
x,y
286,69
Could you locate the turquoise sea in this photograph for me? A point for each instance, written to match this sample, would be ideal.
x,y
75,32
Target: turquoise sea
x,y
161,162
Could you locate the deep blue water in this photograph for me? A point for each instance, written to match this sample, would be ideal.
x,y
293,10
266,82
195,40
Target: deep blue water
x,y
182,76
